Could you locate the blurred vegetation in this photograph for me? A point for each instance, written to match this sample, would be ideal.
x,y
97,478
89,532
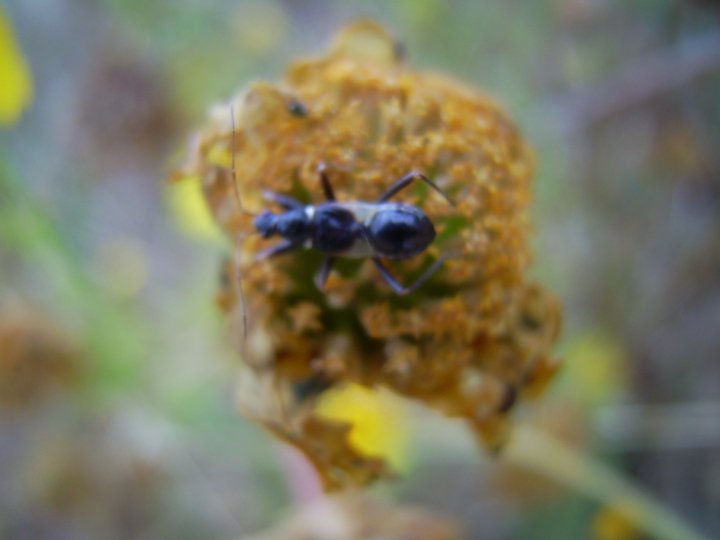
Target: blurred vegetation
x,y
137,436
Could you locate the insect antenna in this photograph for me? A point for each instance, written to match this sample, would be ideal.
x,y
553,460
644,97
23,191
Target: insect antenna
x,y
239,237
233,170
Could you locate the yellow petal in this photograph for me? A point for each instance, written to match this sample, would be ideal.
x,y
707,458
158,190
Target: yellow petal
x,y
191,210
16,88
379,424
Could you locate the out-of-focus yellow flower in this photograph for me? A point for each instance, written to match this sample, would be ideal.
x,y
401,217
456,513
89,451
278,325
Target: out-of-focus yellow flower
x,y
597,370
614,523
16,89
378,421
191,211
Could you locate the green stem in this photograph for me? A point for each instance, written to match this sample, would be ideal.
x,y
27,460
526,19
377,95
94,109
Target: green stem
x,y
558,461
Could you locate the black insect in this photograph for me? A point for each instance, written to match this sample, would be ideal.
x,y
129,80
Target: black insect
x,y
297,108
377,230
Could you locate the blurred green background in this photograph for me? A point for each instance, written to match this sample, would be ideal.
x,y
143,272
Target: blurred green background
x,y
116,376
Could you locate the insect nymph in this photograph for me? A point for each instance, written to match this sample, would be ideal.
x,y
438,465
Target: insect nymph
x,y
358,229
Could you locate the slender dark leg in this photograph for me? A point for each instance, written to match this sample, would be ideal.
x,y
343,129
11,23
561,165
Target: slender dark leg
x,y
406,180
288,203
325,181
398,287
324,272
277,249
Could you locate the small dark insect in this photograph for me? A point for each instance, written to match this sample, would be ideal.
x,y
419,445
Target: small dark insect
x,y
358,229
297,108
377,230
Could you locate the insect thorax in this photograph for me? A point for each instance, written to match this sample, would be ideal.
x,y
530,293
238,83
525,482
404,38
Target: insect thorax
x,y
335,229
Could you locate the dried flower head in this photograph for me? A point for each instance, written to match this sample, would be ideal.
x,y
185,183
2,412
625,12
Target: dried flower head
x,y
472,340
35,358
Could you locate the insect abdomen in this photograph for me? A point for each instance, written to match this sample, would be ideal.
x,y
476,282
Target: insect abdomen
x,y
400,231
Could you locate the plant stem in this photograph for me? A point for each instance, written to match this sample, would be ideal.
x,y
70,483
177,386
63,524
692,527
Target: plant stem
x,y
545,455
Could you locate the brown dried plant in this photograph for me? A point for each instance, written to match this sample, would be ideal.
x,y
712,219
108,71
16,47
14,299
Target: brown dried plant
x,y
36,359
472,341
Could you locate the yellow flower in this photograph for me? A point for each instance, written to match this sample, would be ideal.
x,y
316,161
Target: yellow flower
x,y
16,89
190,210
615,523
597,367
378,420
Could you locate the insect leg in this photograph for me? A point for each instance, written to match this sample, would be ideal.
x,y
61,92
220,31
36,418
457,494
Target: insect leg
x,y
398,287
277,249
408,179
325,181
322,275
288,203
